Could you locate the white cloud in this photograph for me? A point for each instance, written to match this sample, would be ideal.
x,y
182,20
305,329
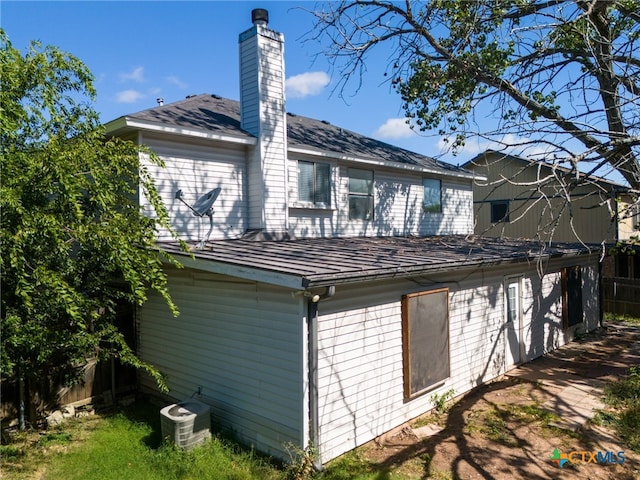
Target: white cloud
x,y
509,143
135,75
128,96
305,84
394,128
176,81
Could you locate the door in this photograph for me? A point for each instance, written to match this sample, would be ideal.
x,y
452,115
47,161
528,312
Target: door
x,y
571,297
513,322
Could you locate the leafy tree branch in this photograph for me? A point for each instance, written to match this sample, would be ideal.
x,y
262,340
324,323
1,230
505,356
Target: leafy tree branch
x,y
74,241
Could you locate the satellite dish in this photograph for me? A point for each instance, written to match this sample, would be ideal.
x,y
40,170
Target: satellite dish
x,y
202,207
205,202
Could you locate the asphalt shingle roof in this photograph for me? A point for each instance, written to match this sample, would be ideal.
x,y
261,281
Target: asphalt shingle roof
x,y
221,115
317,262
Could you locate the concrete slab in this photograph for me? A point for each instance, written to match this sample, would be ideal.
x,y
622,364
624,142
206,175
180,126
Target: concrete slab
x,y
574,406
577,374
427,431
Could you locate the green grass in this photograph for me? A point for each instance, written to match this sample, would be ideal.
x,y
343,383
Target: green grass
x,y
125,449
495,427
500,421
354,466
128,445
624,397
617,318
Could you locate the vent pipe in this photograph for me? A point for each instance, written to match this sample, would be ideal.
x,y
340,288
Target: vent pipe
x,y
259,16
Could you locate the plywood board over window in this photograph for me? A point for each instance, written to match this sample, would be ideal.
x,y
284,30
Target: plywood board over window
x,y
425,339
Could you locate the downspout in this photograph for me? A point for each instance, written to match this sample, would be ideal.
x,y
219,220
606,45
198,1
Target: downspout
x,y
312,349
600,295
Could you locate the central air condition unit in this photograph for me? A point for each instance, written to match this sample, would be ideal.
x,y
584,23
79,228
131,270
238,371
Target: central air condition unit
x,y
187,423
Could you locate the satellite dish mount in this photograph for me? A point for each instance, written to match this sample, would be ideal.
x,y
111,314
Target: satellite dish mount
x,y
202,207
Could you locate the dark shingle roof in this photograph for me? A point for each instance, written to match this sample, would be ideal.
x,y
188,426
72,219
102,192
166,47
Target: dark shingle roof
x,y
220,115
316,262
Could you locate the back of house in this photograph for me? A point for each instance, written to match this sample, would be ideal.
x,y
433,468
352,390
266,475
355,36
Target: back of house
x,y
333,283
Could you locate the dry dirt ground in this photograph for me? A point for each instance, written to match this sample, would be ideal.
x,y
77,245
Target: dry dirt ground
x,y
503,431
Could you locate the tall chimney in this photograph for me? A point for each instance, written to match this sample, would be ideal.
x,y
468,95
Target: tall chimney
x,y
263,114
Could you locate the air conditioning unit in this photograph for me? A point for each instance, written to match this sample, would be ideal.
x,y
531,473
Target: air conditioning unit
x,y
187,423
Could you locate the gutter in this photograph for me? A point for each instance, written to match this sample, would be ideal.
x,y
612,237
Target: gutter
x,y
312,351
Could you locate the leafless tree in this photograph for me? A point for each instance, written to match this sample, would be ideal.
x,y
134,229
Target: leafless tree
x,y
558,80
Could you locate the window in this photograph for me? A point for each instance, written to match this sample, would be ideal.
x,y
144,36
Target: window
x,y
571,296
360,194
499,211
432,202
512,302
314,183
425,340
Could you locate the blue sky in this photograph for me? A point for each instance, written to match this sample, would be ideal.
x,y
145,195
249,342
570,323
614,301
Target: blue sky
x,y
139,51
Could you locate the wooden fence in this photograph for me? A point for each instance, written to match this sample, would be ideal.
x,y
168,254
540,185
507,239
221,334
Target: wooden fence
x,y
621,296
102,383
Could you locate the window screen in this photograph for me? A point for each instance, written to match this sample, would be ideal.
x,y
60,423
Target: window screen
x,y
425,339
314,183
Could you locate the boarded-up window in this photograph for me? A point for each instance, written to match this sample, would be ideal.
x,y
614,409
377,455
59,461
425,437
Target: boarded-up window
x,y
425,338
571,296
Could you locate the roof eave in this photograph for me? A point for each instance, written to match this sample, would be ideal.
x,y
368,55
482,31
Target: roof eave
x,y
302,282
326,280
381,163
124,124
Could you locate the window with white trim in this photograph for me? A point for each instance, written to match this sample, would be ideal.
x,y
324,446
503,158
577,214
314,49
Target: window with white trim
x,y
360,194
314,183
432,202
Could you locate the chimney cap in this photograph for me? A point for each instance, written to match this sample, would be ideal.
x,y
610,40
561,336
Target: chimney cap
x,y
259,16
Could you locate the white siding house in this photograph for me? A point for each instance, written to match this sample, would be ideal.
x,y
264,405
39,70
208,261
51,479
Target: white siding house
x,y
340,286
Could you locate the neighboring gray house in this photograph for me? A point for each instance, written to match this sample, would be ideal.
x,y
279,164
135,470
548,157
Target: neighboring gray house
x,y
523,198
341,285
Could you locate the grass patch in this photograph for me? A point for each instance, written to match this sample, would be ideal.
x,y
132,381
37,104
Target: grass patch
x,y
623,397
496,428
617,318
500,422
59,437
128,445
352,465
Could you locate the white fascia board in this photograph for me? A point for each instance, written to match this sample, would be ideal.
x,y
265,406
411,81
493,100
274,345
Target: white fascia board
x,y
115,125
262,276
380,163
126,122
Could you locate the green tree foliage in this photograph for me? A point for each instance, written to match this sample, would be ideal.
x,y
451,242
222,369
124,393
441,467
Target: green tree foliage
x,y
558,75
74,242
